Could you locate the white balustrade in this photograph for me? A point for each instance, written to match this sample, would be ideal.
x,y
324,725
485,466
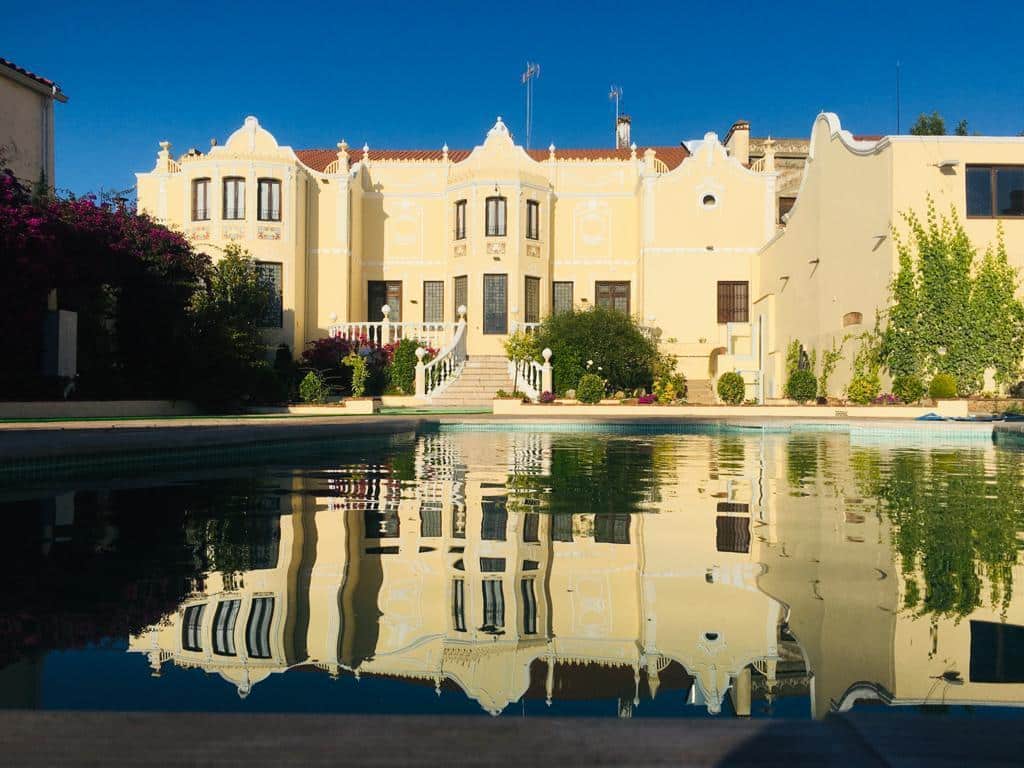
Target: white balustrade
x,y
527,327
433,377
433,335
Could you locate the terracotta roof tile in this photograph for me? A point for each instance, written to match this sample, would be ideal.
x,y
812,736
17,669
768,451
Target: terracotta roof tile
x,y
38,78
319,159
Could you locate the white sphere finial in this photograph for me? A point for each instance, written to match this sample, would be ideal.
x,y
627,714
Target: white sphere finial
x,y
461,310
546,354
420,352
385,310
333,317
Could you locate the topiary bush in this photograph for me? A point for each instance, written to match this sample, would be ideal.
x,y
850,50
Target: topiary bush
x,y
313,389
802,386
863,389
402,370
908,388
590,389
731,388
612,340
943,387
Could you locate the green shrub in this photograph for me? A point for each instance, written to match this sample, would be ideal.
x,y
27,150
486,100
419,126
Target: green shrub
x,y
670,389
360,373
731,388
863,389
908,388
590,388
313,389
402,371
943,387
802,386
501,394
611,340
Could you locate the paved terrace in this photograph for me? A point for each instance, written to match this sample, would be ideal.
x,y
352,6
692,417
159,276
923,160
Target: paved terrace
x,y
172,740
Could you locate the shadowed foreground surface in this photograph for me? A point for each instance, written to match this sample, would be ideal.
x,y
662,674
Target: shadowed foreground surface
x,y
76,738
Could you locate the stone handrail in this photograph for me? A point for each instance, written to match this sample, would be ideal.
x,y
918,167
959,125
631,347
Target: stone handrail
x,y
530,377
758,165
433,377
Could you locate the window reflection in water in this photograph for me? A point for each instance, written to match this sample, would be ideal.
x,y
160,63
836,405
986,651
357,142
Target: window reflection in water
x,y
742,574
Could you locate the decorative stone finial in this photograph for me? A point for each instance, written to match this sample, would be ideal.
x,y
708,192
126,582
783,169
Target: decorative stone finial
x,y
632,151
342,156
551,151
444,152
461,312
546,354
769,154
420,352
366,152
385,310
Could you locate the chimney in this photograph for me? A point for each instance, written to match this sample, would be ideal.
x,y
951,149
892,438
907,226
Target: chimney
x,y
622,140
737,141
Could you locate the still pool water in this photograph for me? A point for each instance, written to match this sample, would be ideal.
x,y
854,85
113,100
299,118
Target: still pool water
x,y
527,573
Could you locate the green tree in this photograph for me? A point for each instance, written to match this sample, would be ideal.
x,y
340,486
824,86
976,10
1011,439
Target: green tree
x,y
229,310
929,125
521,347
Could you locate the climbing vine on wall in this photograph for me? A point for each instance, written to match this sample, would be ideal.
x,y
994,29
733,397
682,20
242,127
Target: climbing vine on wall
x,y
951,311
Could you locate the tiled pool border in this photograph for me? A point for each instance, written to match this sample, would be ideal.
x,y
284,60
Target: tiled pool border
x,y
30,468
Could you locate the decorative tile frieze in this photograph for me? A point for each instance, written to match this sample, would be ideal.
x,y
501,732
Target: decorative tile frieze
x,y
268,233
496,249
533,251
199,234
232,233
460,251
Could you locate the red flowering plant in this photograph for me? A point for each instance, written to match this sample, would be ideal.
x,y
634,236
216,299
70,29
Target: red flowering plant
x,y
129,278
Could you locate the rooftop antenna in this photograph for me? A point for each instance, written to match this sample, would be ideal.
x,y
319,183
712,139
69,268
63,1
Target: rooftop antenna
x,y
532,73
615,94
897,97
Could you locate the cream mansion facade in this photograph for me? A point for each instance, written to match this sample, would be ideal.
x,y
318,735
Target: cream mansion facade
x,y
728,252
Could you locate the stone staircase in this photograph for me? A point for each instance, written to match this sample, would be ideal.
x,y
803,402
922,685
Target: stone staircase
x,y
481,377
699,392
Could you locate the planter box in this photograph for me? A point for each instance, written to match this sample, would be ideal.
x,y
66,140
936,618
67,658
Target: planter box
x,y
948,408
355,406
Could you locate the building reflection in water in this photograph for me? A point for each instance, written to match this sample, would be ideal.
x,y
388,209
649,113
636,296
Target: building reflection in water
x,y
728,572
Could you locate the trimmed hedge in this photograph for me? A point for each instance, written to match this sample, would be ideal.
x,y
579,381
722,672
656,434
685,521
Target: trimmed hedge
x,y
943,387
802,386
731,388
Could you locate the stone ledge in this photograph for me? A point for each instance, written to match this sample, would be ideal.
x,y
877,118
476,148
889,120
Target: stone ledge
x,y
947,408
362,406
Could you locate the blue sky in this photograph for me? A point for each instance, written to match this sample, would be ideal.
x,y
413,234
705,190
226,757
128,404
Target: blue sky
x,y
411,75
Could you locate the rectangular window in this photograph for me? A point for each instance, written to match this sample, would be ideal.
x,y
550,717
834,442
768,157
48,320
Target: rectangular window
x,y
430,522
561,527
492,565
433,301
379,293
461,294
257,631
611,528
460,220
234,197
224,627
995,191
997,652
459,604
531,526
496,216
613,295
381,524
268,200
785,206
532,313
532,220
494,520
561,297
733,301
272,273
496,304
191,628
732,534
529,607
494,605
201,200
